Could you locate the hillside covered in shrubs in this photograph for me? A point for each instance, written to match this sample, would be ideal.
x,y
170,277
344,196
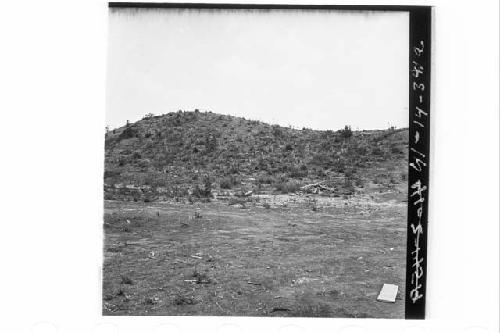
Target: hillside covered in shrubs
x,y
204,154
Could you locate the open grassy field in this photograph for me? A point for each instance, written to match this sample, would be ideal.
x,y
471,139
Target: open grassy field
x,y
275,255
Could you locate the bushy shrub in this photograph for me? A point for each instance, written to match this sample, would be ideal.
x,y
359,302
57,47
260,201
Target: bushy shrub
x,y
234,169
210,143
320,173
204,191
346,132
129,132
322,159
349,173
277,131
377,151
207,186
287,186
298,172
361,150
359,182
265,179
184,300
126,280
228,182
396,150
348,187
237,201
340,166
327,134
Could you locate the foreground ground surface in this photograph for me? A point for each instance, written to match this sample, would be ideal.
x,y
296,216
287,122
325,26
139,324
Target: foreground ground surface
x,y
305,256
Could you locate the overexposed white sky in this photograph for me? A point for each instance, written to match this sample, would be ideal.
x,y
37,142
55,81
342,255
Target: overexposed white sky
x,y
316,69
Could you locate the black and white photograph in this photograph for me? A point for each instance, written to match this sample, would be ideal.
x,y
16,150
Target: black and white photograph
x,y
250,166
256,162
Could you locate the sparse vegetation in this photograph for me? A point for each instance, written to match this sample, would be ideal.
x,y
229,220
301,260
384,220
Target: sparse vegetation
x,y
246,260
209,214
198,153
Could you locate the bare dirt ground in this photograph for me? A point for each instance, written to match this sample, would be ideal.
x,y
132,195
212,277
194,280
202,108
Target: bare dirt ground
x,y
287,255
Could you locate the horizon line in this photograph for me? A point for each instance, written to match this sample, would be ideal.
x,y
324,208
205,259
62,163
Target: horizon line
x,y
151,115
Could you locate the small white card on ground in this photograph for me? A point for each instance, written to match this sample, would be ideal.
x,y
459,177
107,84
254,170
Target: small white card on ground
x,y
388,293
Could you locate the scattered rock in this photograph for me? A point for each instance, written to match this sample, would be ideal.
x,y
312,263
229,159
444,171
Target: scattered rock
x,y
303,280
109,307
151,300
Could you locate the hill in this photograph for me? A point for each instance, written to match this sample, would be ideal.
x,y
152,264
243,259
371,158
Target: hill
x,y
201,154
